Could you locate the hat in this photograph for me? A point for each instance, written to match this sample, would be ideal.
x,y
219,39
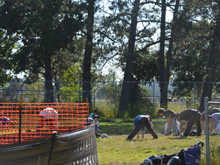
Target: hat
x,y
96,116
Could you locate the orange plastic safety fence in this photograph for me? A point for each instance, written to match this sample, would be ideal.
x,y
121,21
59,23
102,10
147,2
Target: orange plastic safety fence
x,y
37,120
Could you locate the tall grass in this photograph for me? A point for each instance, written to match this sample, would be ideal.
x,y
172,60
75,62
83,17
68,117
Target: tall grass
x,y
106,108
177,106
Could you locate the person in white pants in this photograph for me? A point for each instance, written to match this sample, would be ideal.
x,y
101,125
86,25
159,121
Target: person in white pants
x,y
217,130
215,122
170,115
167,130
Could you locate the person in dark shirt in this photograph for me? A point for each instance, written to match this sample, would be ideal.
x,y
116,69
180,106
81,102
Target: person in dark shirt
x,y
172,122
140,122
210,112
191,116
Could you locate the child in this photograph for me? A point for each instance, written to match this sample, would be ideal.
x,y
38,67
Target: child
x,y
97,126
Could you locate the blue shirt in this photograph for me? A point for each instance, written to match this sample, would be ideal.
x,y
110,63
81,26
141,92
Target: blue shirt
x,y
137,119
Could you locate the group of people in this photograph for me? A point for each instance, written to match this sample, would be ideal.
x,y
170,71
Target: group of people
x,y
49,117
175,123
94,115
94,119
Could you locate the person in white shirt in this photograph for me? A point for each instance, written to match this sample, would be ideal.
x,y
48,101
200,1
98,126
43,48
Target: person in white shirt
x,y
48,117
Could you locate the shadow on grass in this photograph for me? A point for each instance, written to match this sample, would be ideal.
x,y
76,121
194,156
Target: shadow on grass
x,y
178,138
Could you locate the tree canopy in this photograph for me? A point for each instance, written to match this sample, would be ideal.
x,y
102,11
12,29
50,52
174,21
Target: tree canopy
x,y
159,40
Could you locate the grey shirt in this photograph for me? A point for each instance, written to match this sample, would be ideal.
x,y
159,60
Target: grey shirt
x,y
215,116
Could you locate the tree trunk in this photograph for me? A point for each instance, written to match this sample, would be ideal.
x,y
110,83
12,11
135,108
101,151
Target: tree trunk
x,y
172,38
129,59
57,85
212,65
162,74
88,54
165,71
48,81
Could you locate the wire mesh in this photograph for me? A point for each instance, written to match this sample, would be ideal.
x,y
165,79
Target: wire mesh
x,y
30,121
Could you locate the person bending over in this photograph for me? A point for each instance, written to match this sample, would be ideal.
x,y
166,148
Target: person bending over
x,y
140,122
167,130
191,116
172,122
215,123
210,112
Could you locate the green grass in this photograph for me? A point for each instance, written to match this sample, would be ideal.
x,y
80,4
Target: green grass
x,y
116,150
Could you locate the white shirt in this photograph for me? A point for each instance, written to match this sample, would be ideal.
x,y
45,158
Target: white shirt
x,y
49,113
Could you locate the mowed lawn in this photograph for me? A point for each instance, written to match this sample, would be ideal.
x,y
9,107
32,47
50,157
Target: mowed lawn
x,y
116,150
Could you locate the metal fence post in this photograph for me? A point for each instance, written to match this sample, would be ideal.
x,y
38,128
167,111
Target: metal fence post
x,y
115,83
207,131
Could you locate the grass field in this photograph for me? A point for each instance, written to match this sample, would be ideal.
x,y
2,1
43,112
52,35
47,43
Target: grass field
x,y
116,150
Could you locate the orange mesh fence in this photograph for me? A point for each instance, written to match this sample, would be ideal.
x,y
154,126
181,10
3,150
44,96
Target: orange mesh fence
x,y
37,120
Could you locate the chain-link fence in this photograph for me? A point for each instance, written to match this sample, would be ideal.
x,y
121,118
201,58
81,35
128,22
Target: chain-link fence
x,y
107,94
